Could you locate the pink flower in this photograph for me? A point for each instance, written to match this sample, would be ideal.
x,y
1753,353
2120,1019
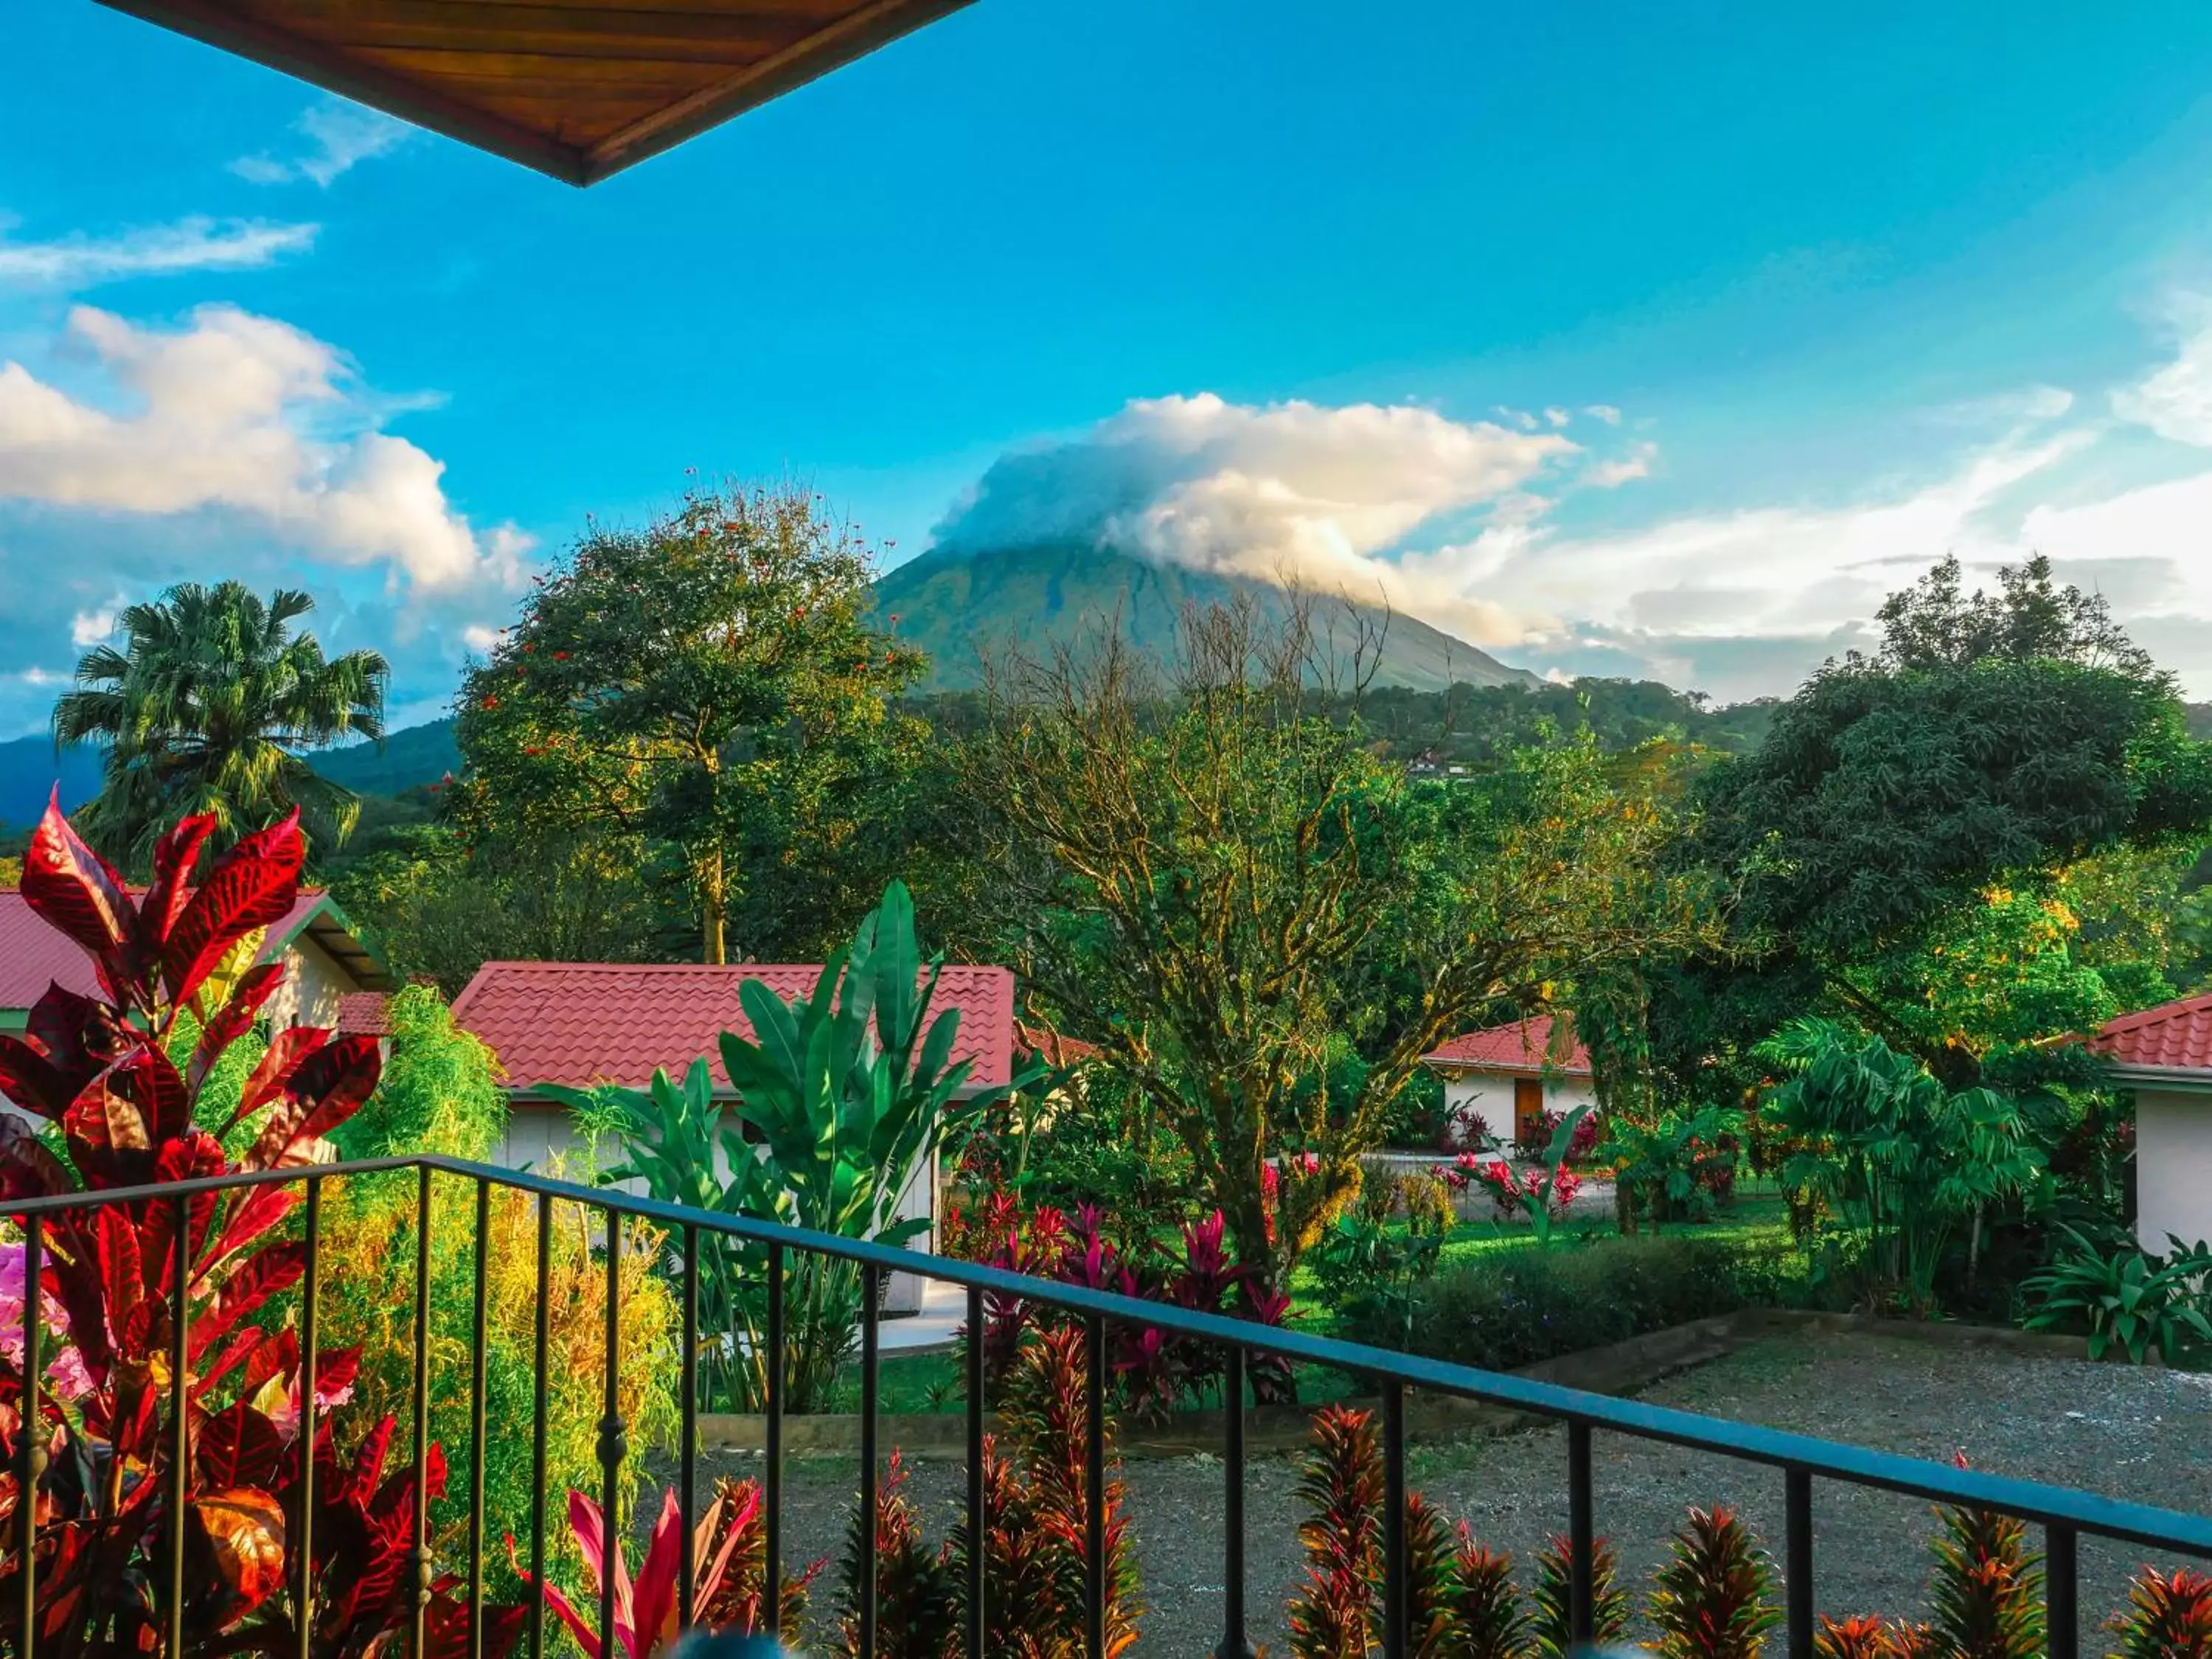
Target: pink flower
x,y
65,1372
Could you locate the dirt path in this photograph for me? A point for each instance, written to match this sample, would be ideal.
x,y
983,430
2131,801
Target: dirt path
x,y
2139,1433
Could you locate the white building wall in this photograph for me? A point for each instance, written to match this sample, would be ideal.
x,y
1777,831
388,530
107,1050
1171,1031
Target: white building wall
x,y
1491,1094
2174,1167
314,982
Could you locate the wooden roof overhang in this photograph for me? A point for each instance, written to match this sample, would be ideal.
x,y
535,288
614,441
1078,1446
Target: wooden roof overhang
x,y
576,89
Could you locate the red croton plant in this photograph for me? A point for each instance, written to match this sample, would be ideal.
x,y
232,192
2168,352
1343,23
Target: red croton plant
x,y
120,1113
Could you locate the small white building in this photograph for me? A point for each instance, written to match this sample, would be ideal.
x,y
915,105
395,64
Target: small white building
x,y
324,960
1508,1077
583,1023
2164,1054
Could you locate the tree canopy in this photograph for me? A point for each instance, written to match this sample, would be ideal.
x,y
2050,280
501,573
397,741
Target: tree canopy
x,y
205,708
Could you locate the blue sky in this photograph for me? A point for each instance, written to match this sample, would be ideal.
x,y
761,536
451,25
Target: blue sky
x,y
1618,339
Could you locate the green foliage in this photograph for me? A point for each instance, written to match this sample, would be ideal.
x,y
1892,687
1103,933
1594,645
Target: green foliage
x,y
840,1096
436,907
440,1089
1673,1168
1882,1145
203,710
1479,1610
1213,887
2120,1294
709,684
1712,1598
1553,1598
1985,1592
1368,1271
1512,1307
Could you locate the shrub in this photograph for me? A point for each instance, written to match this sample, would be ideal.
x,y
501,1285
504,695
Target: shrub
x,y
1513,1308
1710,1600
1367,1272
2166,1618
1340,1486
2119,1294
1986,1590
1553,1623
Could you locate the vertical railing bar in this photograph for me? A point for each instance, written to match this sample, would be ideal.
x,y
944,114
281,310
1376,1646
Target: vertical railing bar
x,y
1396,1592
687,1474
1797,1569
1094,1494
772,1368
978,1521
539,1405
181,1426
419,1626
480,1335
31,1453
2061,1606
303,1594
1581,1542
610,1434
871,1284
1233,1642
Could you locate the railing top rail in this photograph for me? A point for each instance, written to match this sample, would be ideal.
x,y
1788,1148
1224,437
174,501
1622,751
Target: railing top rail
x,y
2116,1518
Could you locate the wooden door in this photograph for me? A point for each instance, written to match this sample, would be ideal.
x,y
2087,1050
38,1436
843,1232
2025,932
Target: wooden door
x,y
1528,1111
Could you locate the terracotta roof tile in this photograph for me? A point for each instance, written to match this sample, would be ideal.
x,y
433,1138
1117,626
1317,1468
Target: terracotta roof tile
x,y
2175,1036
583,1023
33,956
1523,1045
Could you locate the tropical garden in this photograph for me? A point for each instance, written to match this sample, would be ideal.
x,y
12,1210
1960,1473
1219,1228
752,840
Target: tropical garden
x,y
1825,962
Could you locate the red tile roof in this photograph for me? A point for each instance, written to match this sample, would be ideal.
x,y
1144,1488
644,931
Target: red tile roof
x,y
582,1023
2172,1036
1524,1046
33,956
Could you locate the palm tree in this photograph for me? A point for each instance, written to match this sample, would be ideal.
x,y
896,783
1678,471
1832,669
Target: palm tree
x,y
204,710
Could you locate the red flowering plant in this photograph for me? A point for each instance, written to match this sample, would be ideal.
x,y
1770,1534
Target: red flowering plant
x,y
121,1113
1545,1193
1154,1370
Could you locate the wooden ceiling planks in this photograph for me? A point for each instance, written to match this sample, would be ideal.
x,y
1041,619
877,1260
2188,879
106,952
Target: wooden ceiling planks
x,y
576,89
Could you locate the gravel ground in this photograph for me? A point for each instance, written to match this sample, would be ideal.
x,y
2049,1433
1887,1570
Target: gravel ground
x,y
2139,1433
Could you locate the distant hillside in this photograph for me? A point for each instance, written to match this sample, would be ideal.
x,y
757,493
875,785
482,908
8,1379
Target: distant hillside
x,y
957,607
414,756
29,770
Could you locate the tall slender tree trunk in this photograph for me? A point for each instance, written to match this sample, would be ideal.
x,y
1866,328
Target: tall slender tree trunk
x,y
713,914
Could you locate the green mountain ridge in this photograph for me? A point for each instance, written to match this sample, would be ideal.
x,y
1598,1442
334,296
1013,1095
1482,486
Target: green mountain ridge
x,y
961,608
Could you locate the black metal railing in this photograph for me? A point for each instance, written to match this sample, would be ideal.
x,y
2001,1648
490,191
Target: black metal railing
x,y
2063,1514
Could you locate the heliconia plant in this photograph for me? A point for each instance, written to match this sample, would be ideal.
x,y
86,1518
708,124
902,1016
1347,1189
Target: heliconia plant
x,y
122,1114
1713,1597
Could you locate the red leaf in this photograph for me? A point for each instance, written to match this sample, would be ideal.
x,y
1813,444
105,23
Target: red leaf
x,y
122,1272
75,1031
287,1051
250,886
27,1168
150,1077
78,892
236,1017
262,1207
240,1446
238,1543
174,854
327,1088
105,1128
276,1267
32,1081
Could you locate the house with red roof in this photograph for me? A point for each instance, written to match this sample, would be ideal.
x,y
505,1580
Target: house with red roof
x,y
586,1024
2163,1056
325,962
1509,1076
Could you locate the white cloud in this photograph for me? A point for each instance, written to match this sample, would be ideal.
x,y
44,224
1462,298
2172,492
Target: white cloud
x,y
246,415
1557,416
91,626
191,244
1625,468
481,638
1289,491
2176,401
1604,412
340,136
